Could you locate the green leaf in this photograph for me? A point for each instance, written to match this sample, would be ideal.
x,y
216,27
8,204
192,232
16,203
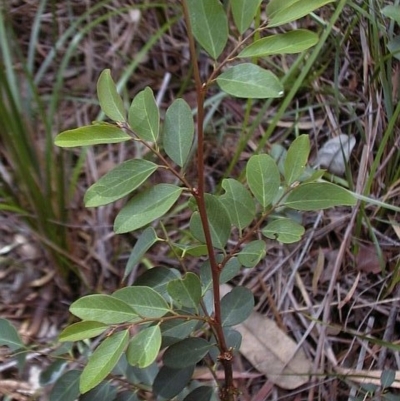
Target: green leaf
x,y
263,178
145,241
178,131
186,352
236,306
157,278
243,12
119,182
202,393
296,159
284,43
103,360
209,25
388,377
392,12
218,219
82,331
144,300
248,80
146,207
284,230
192,250
66,387
104,309
186,291
281,12
109,99
9,336
144,116
238,202
105,391
318,195
170,382
91,135
252,253
144,347
175,330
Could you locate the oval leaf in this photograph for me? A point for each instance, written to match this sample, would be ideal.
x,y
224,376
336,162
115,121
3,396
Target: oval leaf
x,y
103,360
202,393
9,336
318,195
144,117
109,99
236,306
281,12
186,291
103,308
178,131
250,81
243,12
263,178
146,207
209,25
144,347
283,43
238,202
218,219
144,300
66,387
252,253
119,182
82,331
91,135
175,330
186,352
284,230
170,382
296,159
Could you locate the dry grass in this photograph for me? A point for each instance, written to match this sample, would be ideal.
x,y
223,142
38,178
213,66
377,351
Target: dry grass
x,y
335,292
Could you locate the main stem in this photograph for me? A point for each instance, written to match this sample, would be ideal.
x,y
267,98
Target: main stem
x,y
225,357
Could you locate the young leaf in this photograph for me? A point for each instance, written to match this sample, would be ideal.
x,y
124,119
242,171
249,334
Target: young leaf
x,y
202,393
144,300
218,219
186,352
281,12
144,347
236,306
178,131
238,202
144,116
263,178
296,159
248,80
318,195
284,230
243,12
145,241
91,135
252,253
103,308
66,388
170,382
283,43
119,182
82,331
209,25
109,99
103,360
146,207
186,291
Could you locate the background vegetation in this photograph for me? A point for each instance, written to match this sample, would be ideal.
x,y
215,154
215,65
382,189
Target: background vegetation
x,y
335,293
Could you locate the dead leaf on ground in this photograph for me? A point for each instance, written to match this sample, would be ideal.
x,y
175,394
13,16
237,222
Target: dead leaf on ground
x,y
273,353
367,260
